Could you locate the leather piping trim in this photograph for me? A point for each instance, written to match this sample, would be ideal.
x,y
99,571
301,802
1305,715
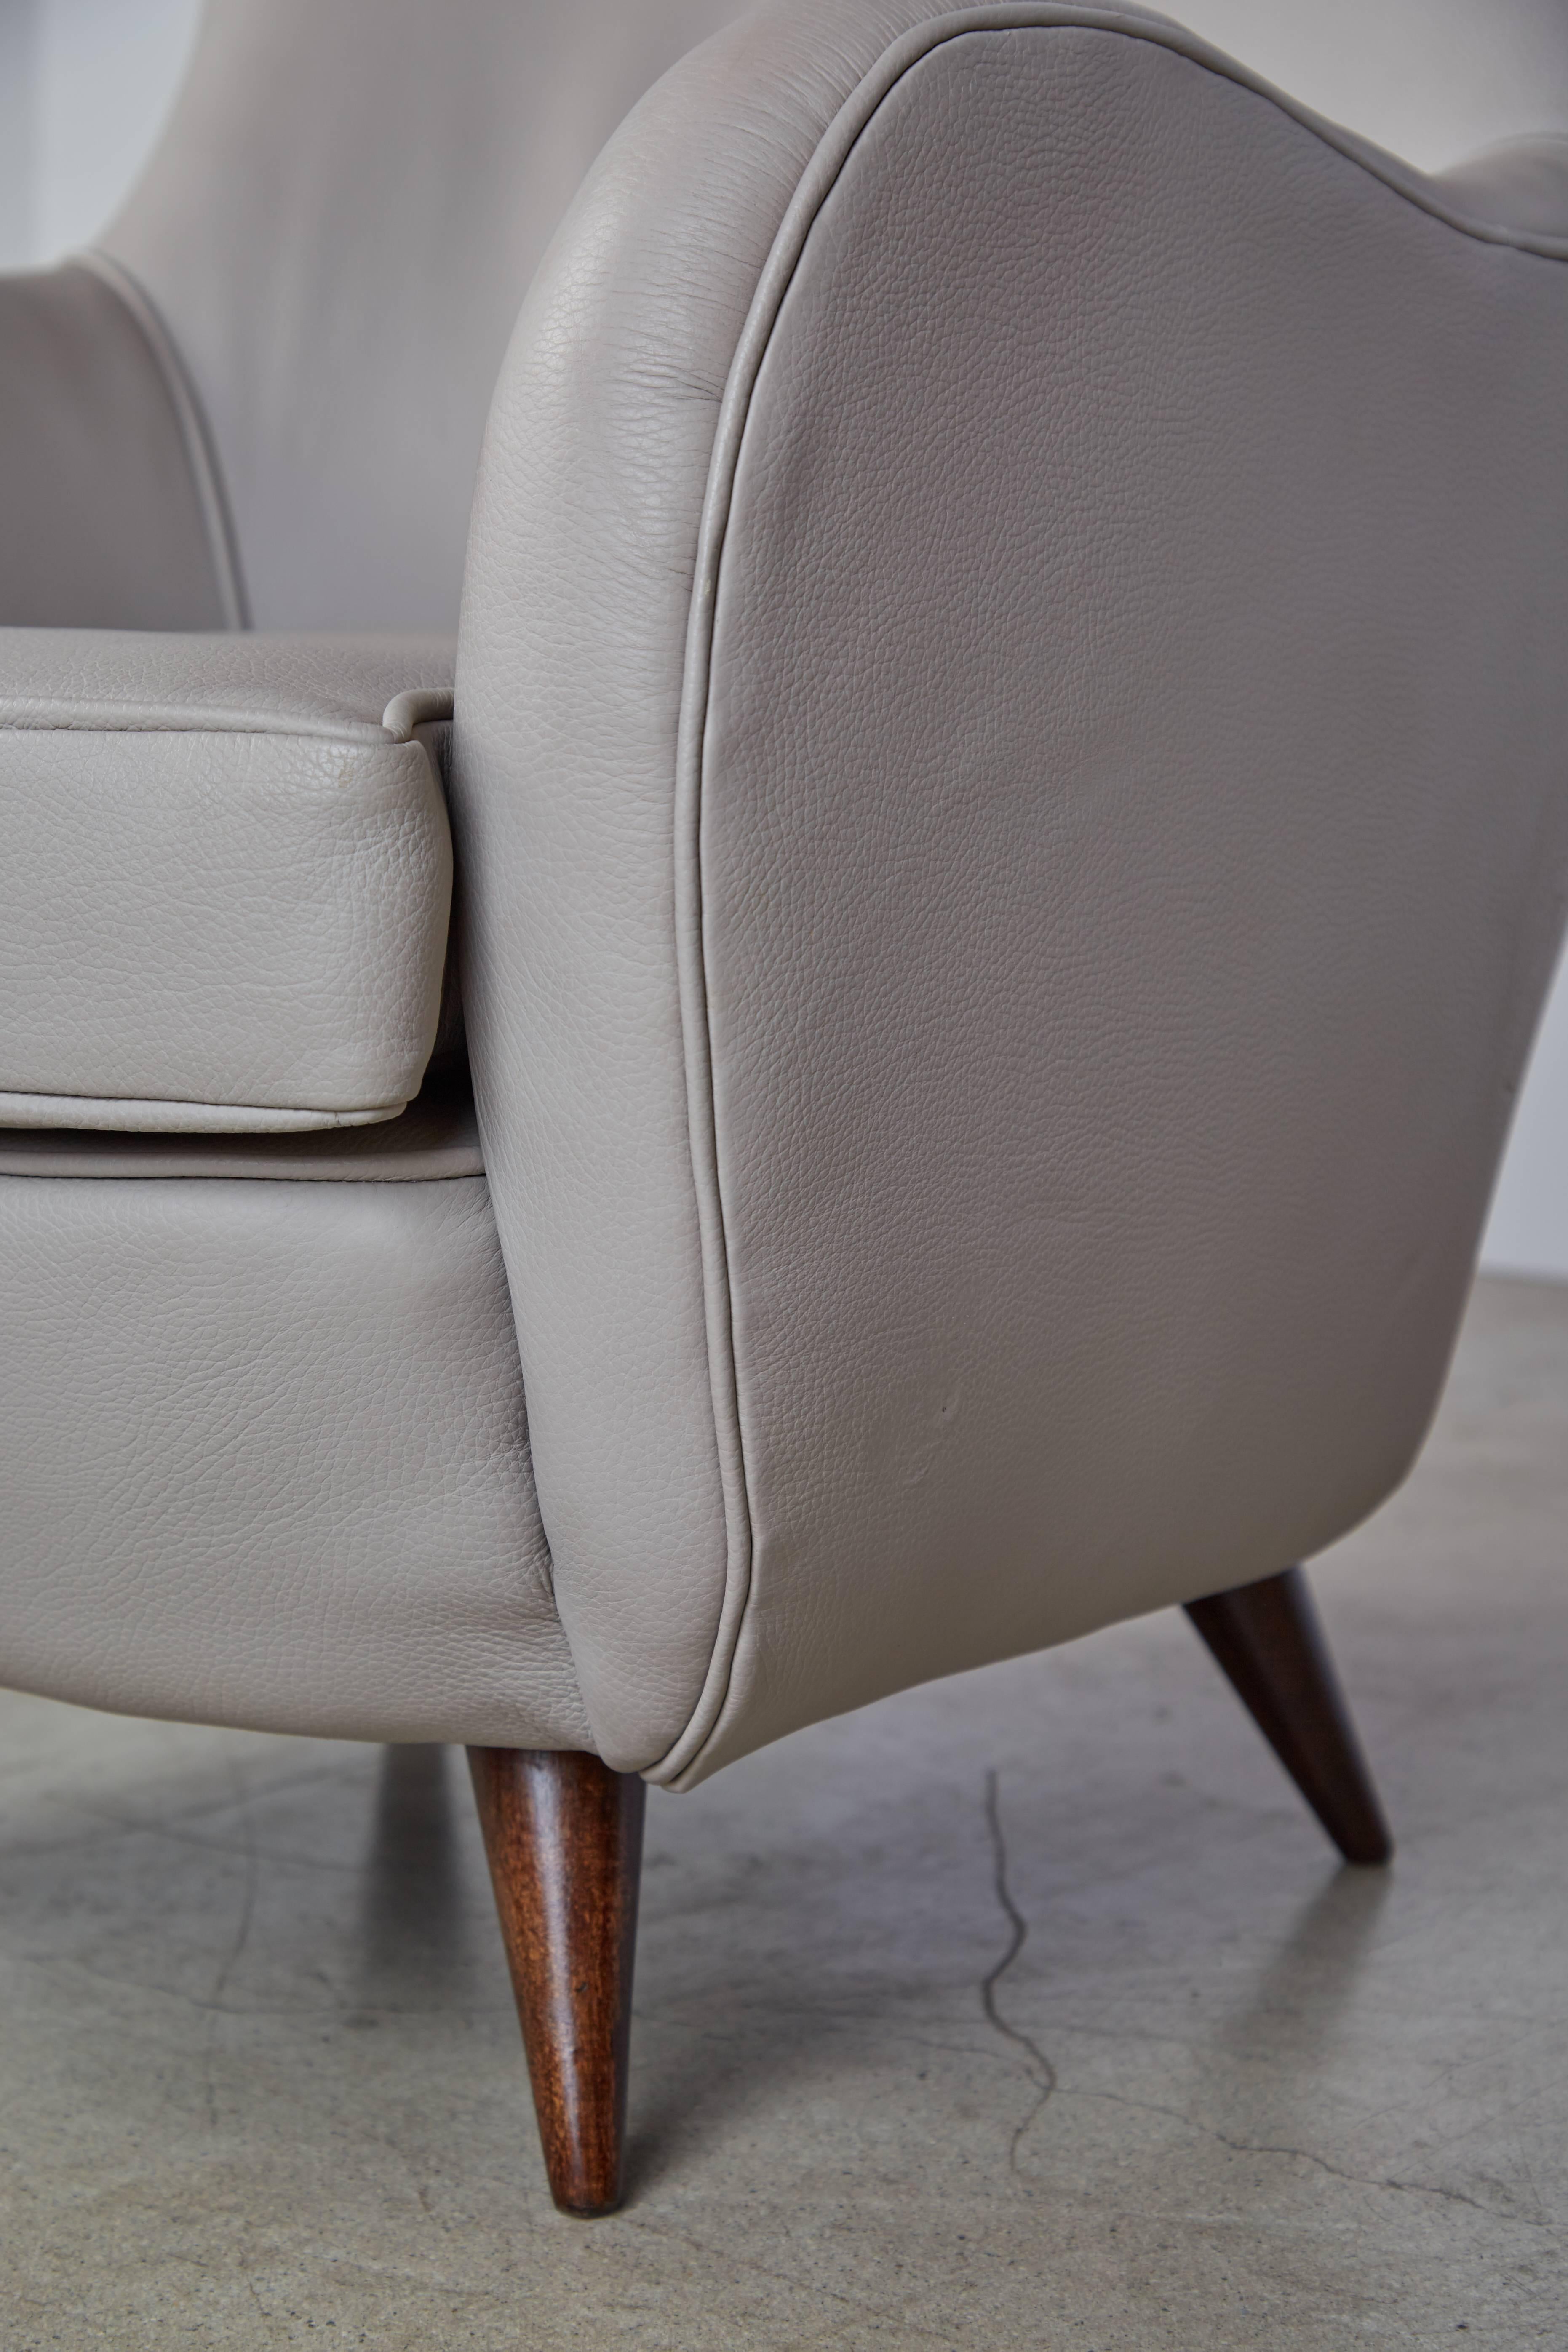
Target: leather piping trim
x,y
436,1141
178,1117
419,706
201,455
678,1766
43,718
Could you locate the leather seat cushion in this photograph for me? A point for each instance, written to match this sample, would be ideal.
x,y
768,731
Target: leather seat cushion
x,y
225,878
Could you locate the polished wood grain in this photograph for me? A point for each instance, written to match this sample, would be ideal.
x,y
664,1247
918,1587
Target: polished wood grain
x,y
1268,1639
564,1834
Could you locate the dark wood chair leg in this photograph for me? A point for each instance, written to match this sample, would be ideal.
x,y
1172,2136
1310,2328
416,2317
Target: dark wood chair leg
x,y
1268,1640
564,1834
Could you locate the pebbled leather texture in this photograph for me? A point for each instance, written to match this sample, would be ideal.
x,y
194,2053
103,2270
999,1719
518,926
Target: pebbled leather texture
x,y
997,959
103,521
267,1462
223,882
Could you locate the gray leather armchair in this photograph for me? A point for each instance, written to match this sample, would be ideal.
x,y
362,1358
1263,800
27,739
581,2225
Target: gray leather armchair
x,y
1006,754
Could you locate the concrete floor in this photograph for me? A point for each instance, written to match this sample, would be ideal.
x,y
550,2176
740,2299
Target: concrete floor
x,y
261,2082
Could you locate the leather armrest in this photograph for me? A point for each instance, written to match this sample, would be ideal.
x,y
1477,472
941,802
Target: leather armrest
x,y
1011,744
225,878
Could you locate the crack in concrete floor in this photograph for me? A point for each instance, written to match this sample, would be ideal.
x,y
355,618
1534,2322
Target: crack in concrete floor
x,y
1042,2072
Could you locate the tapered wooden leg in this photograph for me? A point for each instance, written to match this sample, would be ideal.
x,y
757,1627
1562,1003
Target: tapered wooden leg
x,y
1268,1639
564,1834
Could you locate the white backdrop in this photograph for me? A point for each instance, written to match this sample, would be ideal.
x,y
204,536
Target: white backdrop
x,y
1529,1229
84,89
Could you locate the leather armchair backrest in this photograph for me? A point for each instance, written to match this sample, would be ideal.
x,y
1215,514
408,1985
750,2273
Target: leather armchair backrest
x,y
111,513
337,227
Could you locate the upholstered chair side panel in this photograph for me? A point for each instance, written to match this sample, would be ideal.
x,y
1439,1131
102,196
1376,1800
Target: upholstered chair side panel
x,y
1133,845
334,1529
108,514
995,957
